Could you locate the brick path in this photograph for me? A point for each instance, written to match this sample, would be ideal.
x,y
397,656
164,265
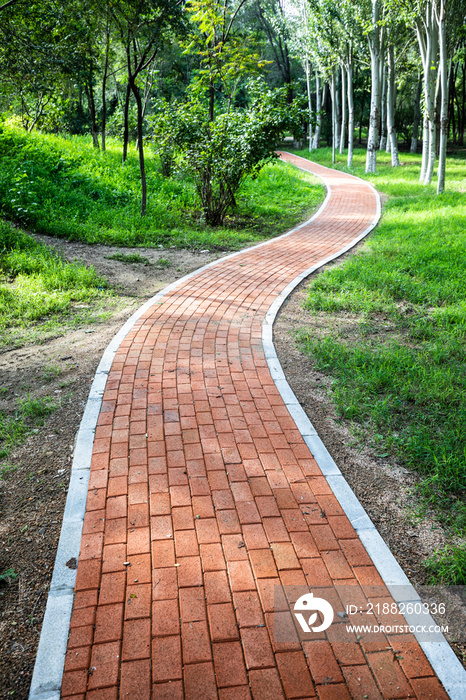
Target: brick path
x,y
204,499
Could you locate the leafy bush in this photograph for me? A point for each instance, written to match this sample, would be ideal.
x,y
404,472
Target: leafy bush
x,y
220,154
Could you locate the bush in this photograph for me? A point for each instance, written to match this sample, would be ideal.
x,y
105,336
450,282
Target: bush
x,y
219,154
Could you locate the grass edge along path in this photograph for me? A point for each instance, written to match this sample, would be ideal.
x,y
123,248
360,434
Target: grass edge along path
x,y
399,375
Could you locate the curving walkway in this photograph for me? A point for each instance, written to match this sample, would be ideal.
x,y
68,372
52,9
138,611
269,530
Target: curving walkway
x,y
207,515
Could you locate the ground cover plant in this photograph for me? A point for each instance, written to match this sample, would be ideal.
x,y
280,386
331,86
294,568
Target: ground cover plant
x,y
401,368
64,187
35,283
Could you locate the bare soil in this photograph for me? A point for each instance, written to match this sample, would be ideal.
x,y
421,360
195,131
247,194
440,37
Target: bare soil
x,y
33,490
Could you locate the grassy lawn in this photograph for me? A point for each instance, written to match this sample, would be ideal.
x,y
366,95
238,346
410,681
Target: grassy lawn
x,y
62,186
402,369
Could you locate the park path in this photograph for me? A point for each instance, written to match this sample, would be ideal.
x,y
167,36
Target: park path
x,y
207,515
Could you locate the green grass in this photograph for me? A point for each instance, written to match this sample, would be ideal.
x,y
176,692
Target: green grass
x,y
402,369
36,283
64,187
30,414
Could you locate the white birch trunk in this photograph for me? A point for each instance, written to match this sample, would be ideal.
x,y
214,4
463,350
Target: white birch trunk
x,y
444,84
391,101
332,93
309,100
319,100
383,116
374,46
343,109
350,113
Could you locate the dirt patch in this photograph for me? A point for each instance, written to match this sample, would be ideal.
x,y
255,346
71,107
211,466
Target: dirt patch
x,y
384,487
36,474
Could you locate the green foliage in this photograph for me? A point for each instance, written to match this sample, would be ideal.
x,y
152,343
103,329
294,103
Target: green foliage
x,y
44,284
14,428
448,566
71,190
8,575
219,154
129,258
403,372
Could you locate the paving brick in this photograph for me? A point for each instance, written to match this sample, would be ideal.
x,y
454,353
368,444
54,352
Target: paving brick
x,y
192,604
222,622
186,543
138,541
262,563
199,682
212,557
88,575
166,658
112,588
163,553
138,515
183,518
135,680
165,618
389,675
295,675
138,601
428,689
241,576
164,584
217,588
195,642
284,555
207,531
333,692
322,662
267,506
104,694
105,665
411,657
77,658
80,636
361,683
173,690
255,537
229,664
108,623
136,640
247,512
239,692
74,682
115,531
202,507
265,684
228,522
248,609
257,648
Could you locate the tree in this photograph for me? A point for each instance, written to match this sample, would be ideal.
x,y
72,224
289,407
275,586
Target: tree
x,y
140,25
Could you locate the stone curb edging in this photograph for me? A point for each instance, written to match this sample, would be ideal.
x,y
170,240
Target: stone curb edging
x,y
50,659
441,656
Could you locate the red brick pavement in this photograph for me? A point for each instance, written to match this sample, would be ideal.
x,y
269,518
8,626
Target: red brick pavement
x,y
204,501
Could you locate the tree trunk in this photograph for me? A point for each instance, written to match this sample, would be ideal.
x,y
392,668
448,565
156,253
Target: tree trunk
x,y
343,109
383,111
309,100
319,101
126,124
444,98
374,118
417,118
391,101
350,114
374,46
332,93
337,113
104,88
89,89
142,166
